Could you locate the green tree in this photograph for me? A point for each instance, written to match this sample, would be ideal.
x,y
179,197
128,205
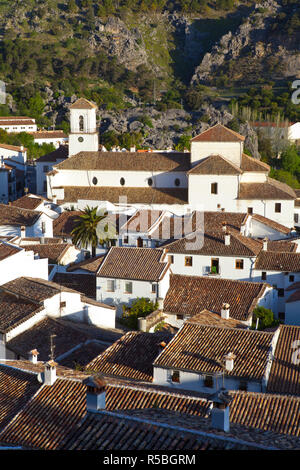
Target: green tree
x,y
290,160
84,234
265,318
140,307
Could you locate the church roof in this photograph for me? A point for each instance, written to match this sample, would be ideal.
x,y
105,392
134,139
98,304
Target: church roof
x,y
127,161
82,103
218,133
215,165
252,164
271,189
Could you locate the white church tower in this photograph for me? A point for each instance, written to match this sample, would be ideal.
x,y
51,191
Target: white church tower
x,y
84,134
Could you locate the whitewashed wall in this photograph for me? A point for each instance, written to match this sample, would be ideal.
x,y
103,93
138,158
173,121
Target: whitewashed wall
x,y
292,313
231,150
200,192
22,264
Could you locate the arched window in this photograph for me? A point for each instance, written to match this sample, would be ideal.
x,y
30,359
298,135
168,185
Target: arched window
x,y
150,181
81,123
122,181
95,180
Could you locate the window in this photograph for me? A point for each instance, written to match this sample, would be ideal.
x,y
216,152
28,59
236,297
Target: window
x,y
176,376
188,261
263,276
243,386
296,218
63,304
150,181
45,186
128,287
153,288
177,182
208,381
214,269
280,292
170,259
43,227
110,285
126,239
250,210
239,264
277,207
291,278
179,316
81,123
45,168
122,181
214,188
94,180
281,316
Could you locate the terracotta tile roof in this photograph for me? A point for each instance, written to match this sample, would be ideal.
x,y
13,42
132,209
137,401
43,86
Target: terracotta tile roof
x,y
17,122
27,202
282,245
108,432
61,153
16,389
13,147
14,311
10,215
48,417
53,251
142,264
127,161
135,396
28,366
271,413
91,265
213,244
7,250
271,189
253,164
37,240
80,357
131,356
142,220
49,134
38,337
83,103
215,165
84,283
214,319
64,224
190,295
201,349
278,261
218,133
285,375
271,223
33,289
133,195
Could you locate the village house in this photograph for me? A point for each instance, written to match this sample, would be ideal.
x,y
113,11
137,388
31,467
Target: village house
x,y
25,301
16,124
55,137
204,358
36,203
8,188
24,222
127,274
45,165
190,295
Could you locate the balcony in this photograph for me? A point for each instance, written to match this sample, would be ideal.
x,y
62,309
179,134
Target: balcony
x,y
211,271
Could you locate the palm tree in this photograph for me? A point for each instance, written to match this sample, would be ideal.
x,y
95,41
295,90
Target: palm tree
x,y
85,231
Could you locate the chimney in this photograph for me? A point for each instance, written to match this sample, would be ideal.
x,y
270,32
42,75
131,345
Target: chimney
x,y
22,148
95,393
54,199
133,149
23,231
50,372
32,356
227,238
224,226
220,410
225,311
229,361
42,240
265,244
161,347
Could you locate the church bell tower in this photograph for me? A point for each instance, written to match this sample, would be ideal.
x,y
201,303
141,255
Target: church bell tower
x,y
84,135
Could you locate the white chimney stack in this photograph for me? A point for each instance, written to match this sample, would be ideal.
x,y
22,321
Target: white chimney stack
x,y
229,361
220,411
23,231
54,199
265,244
95,393
33,356
50,373
133,149
224,226
227,238
225,311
